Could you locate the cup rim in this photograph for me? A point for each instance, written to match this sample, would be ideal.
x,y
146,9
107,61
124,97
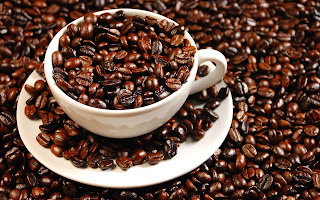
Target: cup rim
x,y
54,46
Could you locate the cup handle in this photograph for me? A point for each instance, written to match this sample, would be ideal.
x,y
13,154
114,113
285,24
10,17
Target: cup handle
x,y
215,73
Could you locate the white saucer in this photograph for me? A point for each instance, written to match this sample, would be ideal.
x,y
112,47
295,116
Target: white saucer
x,y
190,154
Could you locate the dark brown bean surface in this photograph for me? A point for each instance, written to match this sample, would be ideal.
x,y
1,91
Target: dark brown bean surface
x,y
124,162
272,44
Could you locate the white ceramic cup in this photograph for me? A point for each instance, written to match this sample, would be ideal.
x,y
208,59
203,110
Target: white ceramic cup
x,y
134,122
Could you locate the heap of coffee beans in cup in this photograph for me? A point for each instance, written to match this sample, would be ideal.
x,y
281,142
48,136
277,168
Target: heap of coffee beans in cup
x,y
122,62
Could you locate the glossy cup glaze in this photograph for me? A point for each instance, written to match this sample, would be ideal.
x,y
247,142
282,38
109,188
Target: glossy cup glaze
x,y
137,121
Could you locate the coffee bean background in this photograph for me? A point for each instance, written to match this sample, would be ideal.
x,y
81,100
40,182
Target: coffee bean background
x,y
272,47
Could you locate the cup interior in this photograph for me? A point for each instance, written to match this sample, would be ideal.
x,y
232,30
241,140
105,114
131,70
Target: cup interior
x,y
54,46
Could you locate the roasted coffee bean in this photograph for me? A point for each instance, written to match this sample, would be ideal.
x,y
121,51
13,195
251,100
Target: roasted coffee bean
x,y
152,83
124,162
176,40
105,164
72,63
57,59
13,156
37,193
301,177
30,111
173,84
72,30
56,150
44,139
5,51
97,103
154,158
235,136
223,93
138,157
212,104
125,97
60,137
64,40
242,88
69,52
78,162
7,118
265,182
113,35
169,149
39,86
282,163
156,48
86,30
84,79
240,161
311,130
197,134
249,150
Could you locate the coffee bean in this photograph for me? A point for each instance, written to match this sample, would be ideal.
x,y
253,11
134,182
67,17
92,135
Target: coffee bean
x,y
235,136
62,84
5,51
56,150
72,63
64,40
223,93
105,164
240,161
37,193
41,101
173,84
39,86
169,149
84,79
7,118
87,50
72,30
124,162
212,104
57,59
197,134
249,150
265,182
241,88
152,83
68,52
301,177
86,30
154,158
156,48
30,111
176,40
282,163
138,157
125,97
44,139
315,178
60,137
113,35
311,130
13,156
